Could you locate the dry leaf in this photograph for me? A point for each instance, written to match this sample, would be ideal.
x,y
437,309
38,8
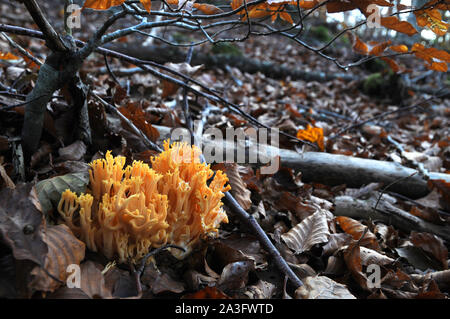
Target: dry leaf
x,y
238,186
22,224
322,287
311,231
64,249
356,229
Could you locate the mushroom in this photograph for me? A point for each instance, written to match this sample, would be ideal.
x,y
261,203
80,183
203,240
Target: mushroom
x,y
129,210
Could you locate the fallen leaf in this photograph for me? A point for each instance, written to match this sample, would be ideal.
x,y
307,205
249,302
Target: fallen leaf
x,y
311,231
64,249
322,287
356,229
50,190
22,225
235,275
431,244
238,187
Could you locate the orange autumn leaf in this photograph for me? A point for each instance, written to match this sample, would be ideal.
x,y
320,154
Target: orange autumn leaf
x,y
401,48
207,8
379,48
236,4
258,11
356,230
102,4
394,23
147,5
436,59
438,66
360,46
8,56
106,4
432,19
392,64
278,11
312,134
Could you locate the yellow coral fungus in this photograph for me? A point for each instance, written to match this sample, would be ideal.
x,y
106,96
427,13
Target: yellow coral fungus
x,y
129,210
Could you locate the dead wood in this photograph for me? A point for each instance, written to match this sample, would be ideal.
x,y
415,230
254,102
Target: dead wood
x,y
329,169
387,213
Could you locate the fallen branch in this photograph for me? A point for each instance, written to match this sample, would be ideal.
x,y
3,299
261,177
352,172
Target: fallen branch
x,y
386,213
330,169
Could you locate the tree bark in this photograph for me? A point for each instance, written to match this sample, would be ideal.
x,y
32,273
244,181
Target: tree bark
x,y
330,169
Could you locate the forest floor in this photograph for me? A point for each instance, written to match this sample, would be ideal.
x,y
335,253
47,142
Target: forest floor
x,y
377,119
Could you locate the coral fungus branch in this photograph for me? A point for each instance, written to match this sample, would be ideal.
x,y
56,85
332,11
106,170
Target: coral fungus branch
x,y
129,210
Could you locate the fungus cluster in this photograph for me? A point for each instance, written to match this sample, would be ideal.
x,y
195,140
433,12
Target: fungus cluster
x,y
129,210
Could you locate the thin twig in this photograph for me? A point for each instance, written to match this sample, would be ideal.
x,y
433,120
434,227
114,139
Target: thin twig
x,y
136,130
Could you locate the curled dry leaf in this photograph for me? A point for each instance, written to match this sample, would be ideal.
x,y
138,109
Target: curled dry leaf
x,y
290,202
235,275
335,266
352,258
370,256
322,287
161,282
356,229
311,231
64,249
49,190
386,234
22,224
140,119
120,282
195,280
418,258
223,254
431,244
72,152
335,242
9,183
93,281
238,186
262,290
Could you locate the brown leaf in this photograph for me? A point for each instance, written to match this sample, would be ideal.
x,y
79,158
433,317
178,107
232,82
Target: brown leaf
x,y
335,242
262,290
93,281
64,249
161,282
311,231
370,256
394,23
72,152
9,183
22,223
235,275
238,186
322,287
431,244
140,119
207,8
443,187
356,229
352,258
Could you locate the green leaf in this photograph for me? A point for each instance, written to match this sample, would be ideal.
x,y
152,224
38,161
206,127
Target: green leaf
x,y
49,190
